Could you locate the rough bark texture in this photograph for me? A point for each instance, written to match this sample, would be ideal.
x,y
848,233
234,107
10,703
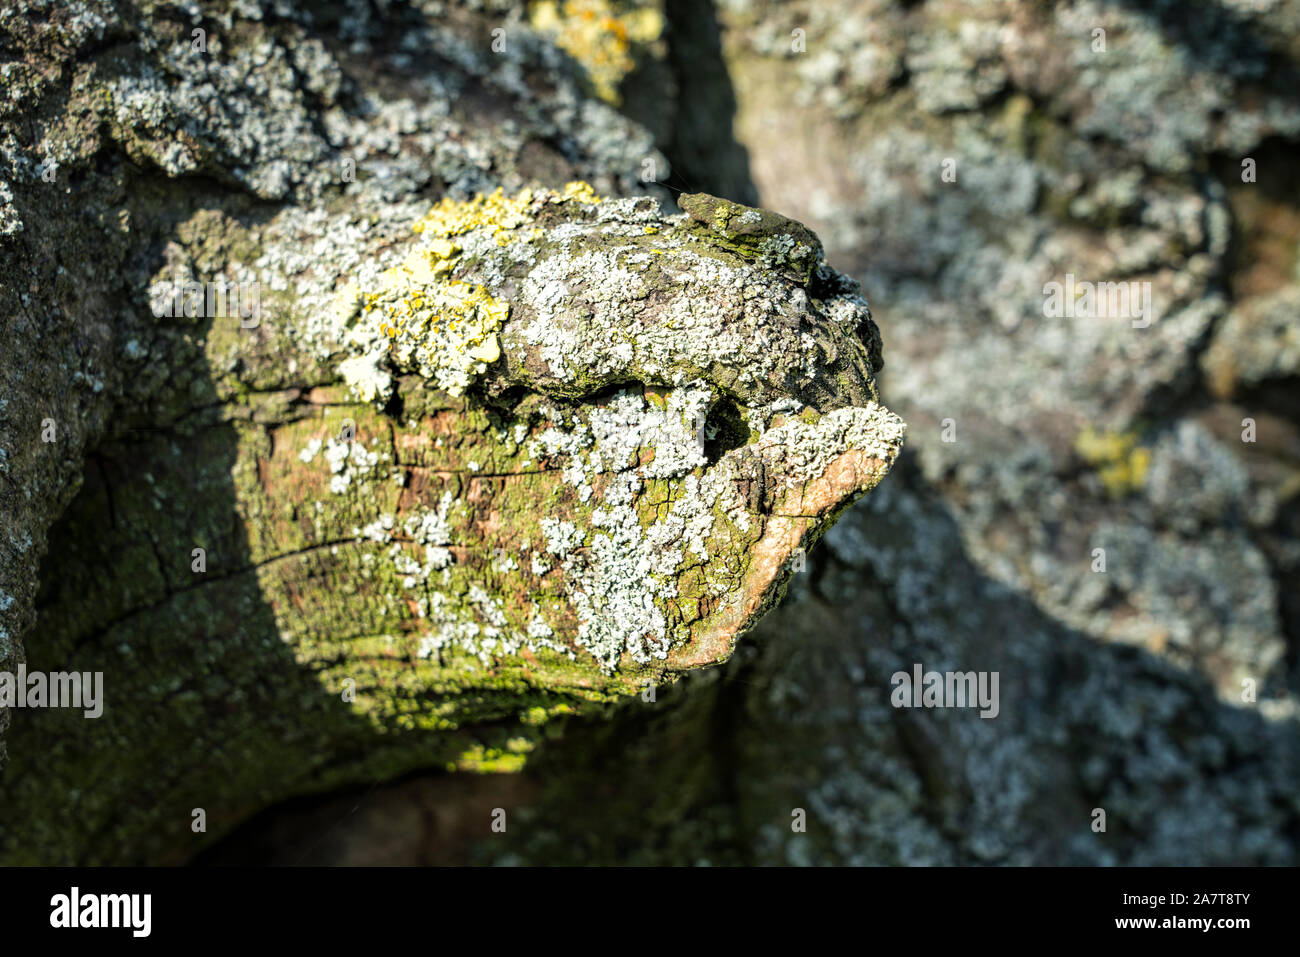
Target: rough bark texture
x,y
1121,690
434,473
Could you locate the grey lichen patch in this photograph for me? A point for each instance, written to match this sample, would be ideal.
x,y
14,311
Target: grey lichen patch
x,y
798,452
623,293
621,565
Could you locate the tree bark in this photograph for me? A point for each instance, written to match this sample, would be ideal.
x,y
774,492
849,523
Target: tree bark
x,y
445,464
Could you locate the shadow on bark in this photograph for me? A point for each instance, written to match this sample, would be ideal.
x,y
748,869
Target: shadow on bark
x,y
714,769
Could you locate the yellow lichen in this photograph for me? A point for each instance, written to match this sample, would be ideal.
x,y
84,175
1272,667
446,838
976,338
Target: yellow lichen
x,y
579,192
601,35
504,214
1121,463
444,328
415,312
454,218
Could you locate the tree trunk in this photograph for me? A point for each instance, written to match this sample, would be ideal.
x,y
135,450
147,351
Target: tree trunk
x,y
956,159
372,468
